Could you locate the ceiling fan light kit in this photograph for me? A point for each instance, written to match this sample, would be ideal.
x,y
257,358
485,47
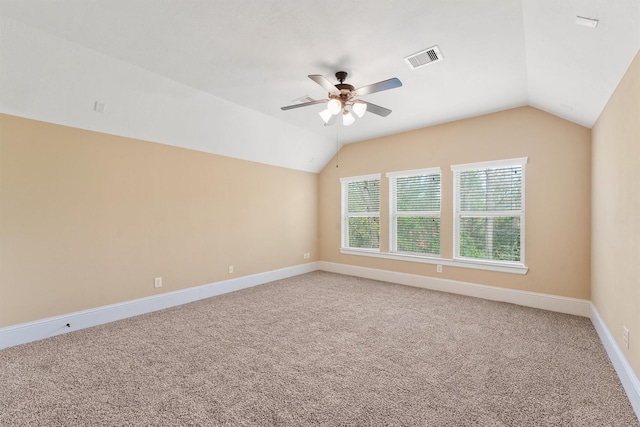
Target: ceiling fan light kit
x,y
359,108
334,106
326,115
342,98
347,118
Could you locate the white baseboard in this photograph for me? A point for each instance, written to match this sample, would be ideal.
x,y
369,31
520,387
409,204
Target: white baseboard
x,y
44,328
559,304
625,372
49,327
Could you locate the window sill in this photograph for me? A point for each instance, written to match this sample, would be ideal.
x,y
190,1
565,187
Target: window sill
x,y
477,265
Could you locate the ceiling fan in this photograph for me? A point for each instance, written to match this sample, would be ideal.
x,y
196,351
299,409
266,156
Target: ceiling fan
x,y
343,99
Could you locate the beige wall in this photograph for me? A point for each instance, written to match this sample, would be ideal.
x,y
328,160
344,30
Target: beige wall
x,y
557,190
89,219
616,213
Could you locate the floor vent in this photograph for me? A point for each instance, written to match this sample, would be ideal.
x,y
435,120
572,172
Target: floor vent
x,y
424,57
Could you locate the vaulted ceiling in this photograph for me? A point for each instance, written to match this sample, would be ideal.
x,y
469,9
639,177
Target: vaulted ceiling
x,y
212,75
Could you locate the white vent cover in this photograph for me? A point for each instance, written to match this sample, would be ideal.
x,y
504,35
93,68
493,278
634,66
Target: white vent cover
x,y
302,99
587,22
424,57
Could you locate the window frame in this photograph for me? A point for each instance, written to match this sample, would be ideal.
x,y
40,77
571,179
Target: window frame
x,y
457,214
345,214
394,214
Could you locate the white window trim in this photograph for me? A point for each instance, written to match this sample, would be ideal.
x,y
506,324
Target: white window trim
x,y
404,174
393,215
344,226
501,267
496,164
496,266
361,178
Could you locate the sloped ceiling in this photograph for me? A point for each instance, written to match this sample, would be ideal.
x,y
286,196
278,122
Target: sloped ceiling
x,y
212,75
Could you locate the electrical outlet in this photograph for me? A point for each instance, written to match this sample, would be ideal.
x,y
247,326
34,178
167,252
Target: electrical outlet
x,y
439,268
231,269
625,337
157,282
306,255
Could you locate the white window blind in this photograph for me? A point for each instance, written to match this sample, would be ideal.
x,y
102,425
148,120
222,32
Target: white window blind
x,y
414,206
361,212
489,211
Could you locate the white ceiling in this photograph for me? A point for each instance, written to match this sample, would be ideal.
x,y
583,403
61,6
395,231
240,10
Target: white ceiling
x,y
256,54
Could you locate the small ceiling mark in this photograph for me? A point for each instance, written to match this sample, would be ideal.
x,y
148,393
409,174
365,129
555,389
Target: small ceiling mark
x,y
424,57
98,107
587,22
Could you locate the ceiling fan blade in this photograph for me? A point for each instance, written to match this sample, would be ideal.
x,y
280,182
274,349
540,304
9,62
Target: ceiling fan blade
x,y
376,109
378,87
304,104
322,81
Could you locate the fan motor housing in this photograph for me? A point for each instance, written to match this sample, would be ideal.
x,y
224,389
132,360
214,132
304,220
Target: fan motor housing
x,y
345,87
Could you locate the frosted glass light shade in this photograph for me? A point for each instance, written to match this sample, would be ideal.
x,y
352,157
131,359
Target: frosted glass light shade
x,y
326,115
348,119
359,108
334,106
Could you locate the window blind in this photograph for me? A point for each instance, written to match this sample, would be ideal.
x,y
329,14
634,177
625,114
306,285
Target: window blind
x,y
489,214
364,196
361,213
415,213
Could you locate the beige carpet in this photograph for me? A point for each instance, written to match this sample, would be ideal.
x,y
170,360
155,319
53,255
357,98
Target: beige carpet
x,y
320,349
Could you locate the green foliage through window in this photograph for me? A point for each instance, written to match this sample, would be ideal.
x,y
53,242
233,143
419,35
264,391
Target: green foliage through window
x,y
364,196
418,234
495,238
364,232
418,193
491,189
362,214
415,210
490,212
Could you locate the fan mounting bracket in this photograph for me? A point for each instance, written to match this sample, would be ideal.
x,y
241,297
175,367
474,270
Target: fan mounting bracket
x,y
341,76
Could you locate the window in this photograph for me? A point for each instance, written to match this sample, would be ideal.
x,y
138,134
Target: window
x,y
414,207
489,211
361,212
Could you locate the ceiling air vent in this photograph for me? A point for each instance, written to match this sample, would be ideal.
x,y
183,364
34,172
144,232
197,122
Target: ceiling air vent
x,y
303,99
424,57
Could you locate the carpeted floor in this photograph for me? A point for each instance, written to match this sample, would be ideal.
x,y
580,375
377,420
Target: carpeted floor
x,y
320,349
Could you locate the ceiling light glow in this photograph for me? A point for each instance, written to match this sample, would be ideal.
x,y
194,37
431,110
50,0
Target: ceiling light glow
x,y
347,118
334,106
326,115
359,108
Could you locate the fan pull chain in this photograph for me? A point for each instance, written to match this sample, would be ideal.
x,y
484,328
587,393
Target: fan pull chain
x,y
337,148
